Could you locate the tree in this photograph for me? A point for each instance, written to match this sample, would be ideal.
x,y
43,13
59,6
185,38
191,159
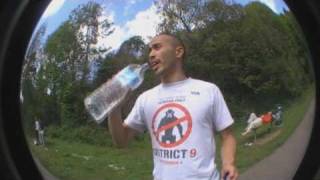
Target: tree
x,y
181,14
70,51
133,47
249,51
88,26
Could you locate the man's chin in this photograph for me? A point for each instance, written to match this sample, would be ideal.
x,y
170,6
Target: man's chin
x,y
158,72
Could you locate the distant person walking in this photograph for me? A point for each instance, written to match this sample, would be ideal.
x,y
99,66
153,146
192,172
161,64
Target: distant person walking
x,y
39,133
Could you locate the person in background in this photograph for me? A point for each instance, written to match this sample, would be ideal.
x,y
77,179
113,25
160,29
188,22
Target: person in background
x,y
37,129
39,133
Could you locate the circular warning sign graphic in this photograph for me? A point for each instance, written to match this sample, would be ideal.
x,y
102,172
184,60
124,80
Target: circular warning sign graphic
x,y
171,125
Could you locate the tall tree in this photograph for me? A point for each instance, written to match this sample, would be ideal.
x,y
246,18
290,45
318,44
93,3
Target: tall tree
x,y
70,50
89,26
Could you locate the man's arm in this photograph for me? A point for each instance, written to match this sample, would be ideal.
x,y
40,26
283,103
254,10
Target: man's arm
x,y
120,132
228,154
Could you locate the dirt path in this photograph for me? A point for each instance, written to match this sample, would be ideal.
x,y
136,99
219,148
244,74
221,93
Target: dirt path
x,y
283,163
273,135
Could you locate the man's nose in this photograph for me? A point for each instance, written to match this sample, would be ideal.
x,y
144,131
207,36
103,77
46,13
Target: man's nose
x,y
151,55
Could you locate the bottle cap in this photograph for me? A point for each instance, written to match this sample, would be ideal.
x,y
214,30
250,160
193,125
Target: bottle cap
x,y
145,66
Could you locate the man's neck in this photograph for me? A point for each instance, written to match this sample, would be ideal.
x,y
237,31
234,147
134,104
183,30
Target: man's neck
x,y
174,77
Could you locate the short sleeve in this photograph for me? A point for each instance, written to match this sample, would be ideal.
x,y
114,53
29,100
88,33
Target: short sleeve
x,y
135,119
221,114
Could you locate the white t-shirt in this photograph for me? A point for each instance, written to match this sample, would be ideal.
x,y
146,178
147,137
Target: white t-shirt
x,y
181,118
37,125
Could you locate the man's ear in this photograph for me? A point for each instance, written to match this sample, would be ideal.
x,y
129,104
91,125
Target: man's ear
x,y
179,51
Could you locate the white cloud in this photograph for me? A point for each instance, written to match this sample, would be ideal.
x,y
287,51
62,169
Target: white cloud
x,y
115,39
132,1
53,7
270,3
144,24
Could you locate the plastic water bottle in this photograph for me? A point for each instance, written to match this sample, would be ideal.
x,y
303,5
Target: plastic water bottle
x,y
101,101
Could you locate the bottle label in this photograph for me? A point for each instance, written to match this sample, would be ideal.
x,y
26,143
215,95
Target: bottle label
x,y
128,77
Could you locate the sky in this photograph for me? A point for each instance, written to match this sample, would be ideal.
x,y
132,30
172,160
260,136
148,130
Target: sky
x,y
130,17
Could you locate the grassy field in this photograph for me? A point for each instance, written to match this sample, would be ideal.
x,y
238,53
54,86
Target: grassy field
x,y
87,162
83,161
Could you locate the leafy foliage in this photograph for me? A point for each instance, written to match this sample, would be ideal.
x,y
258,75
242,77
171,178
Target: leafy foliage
x,y
250,52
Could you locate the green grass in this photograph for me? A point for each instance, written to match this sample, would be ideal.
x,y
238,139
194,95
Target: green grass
x,y
81,160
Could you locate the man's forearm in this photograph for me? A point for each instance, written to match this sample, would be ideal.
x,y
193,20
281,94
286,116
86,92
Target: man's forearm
x,y
228,149
118,132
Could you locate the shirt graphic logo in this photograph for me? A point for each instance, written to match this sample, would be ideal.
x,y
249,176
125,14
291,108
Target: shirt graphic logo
x,y
195,93
171,125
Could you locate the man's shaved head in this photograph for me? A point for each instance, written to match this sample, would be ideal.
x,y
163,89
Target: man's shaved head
x,y
175,41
